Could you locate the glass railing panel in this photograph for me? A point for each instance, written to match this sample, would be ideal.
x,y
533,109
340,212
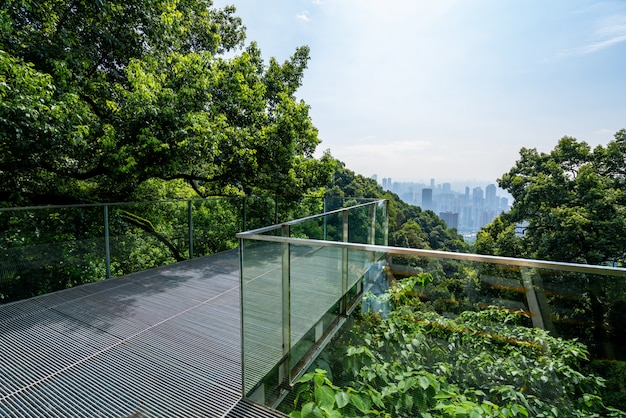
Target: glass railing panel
x,y
360,221
588,307
316,293
262,315
309,229
359,264
147,235
475,319
259,211
334,203
316,286
333,227
47,249
215,223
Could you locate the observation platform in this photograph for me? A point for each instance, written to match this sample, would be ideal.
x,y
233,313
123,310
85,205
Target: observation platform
x,y
158,343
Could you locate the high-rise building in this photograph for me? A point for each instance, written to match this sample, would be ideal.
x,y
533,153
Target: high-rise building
x,y
504,204
491,201
478,197
427,199
451,219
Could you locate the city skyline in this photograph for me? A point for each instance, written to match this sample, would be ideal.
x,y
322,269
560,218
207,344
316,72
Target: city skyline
x,y
451,89
467,209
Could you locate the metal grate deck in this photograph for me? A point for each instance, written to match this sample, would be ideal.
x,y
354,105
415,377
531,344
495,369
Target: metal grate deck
x,y
160,343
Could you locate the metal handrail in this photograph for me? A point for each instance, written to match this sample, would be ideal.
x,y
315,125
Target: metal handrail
x,y
97,205
521,262
254,232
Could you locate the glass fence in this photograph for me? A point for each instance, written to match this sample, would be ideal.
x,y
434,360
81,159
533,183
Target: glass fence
x,y
296,294
44,249
406,331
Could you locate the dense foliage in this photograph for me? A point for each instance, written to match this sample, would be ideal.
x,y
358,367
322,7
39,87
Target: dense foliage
x,y
569,205
137,100
419,363
97,98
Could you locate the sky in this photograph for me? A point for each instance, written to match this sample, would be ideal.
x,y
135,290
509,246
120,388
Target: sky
x,y
450,89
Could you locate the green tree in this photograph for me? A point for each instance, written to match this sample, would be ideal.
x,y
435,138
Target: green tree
x,y
571,202
137,100
100,97
569,205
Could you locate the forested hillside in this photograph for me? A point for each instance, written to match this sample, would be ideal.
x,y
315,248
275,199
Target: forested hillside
x,y
409,226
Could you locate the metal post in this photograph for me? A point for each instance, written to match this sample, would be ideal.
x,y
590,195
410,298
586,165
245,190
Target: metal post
x,y
372,231
386,224
242,312
344,266
325,218
107,250
190,224
286,307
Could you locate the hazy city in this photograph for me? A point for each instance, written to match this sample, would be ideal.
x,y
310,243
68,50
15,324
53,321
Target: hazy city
x,y
466,206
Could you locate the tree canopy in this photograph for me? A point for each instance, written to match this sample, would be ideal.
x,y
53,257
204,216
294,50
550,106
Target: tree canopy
x,y
569,205
96,98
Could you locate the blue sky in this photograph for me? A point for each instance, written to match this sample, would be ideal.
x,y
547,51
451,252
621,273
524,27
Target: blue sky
x,y
450,89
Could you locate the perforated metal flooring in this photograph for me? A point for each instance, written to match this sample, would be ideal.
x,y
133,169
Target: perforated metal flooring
x,y
159,343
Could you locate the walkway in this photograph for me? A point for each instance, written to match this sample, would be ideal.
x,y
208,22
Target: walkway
x,y
159,343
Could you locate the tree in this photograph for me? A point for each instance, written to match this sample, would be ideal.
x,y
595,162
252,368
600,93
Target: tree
x,y
138,100
572,200
98,97
571,207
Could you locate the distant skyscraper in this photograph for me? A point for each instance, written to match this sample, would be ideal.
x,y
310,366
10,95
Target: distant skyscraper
x,y
432,183
504,204
490,197
451,219
478,196
427,199
375,176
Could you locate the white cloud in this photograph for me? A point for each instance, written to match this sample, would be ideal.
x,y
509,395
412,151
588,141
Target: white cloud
x,y
604,37
303,16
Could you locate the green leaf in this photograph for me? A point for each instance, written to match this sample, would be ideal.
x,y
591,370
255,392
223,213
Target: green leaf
x,y
361,403
424,382
306,378
342,399
408,401
310,410
324,396
334,414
